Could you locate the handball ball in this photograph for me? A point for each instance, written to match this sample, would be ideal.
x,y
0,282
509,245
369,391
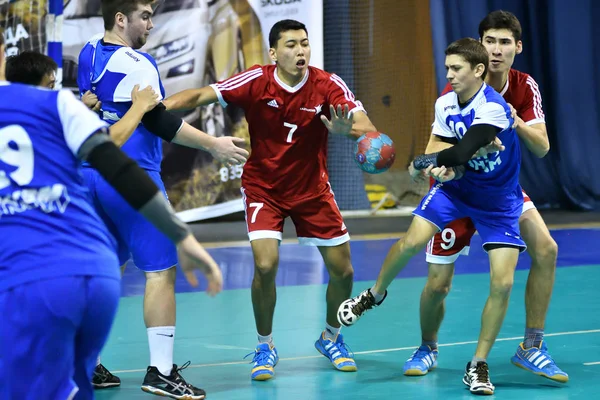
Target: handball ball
x,y
374,152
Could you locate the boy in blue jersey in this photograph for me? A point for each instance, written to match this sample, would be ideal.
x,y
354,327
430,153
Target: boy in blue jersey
x,y
59,276
485,188
109,66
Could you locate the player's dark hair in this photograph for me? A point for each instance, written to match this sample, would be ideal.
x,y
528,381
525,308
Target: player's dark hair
x,y
472,51
1,36
283,26
500,19
110,8
29,67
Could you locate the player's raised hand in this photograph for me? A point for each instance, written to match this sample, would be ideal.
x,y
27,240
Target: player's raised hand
x,y
91,101
147,98
227,150
340,122
192,258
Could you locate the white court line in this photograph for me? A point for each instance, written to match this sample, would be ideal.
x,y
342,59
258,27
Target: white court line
x,y
592,363
127,371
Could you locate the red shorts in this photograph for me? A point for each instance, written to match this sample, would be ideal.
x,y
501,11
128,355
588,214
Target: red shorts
x,y
454,240
318,220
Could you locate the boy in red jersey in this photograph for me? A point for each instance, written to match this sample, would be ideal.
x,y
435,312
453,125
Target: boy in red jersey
x,y
290,107
500,32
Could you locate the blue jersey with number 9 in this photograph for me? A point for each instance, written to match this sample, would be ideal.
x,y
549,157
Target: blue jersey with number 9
x,y
47,224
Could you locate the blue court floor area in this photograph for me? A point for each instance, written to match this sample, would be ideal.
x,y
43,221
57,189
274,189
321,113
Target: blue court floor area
x,y
216,333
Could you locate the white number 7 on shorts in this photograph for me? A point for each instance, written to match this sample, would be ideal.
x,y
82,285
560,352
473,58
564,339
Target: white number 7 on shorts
x,y
257,207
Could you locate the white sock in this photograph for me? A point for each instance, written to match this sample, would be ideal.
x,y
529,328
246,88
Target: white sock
x,y
331,332
98,361
378,297
265,339
160,340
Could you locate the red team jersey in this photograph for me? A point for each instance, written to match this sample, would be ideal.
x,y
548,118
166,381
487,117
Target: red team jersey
x,y
522,92
287,137
286,174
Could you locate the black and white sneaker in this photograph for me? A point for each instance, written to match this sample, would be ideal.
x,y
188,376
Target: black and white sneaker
x,y
173,386
477,378
103,379
352,309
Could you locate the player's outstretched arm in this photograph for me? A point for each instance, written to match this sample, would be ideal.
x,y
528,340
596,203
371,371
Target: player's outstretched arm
x,y
191,98
476,137
224,149
143,101
136,187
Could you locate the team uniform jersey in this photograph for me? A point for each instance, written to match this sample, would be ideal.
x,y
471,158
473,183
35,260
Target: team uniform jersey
x,y
523,93
489,192
59,274
286,173
111,71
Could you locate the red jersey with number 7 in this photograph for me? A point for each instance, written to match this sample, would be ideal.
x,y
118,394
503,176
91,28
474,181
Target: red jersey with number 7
x,y
288,139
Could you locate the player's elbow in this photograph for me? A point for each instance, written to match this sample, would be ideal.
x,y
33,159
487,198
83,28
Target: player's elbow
x,y
542,150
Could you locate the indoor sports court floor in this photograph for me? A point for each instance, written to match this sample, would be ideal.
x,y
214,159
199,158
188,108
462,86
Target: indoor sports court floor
x,y
216,333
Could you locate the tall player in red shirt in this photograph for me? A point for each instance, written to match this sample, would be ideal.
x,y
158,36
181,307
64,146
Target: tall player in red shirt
x,y
500,32
290,108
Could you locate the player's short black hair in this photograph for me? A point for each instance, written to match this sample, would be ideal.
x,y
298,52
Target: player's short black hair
x,y
472,51
283,26
29,67
500,19
110,8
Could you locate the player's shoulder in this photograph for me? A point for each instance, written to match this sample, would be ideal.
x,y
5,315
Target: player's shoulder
x,y
318,75
521,82
492,96
32,94
447,102
516,77
126,60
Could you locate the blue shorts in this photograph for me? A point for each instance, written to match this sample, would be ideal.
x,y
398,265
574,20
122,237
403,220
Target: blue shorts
x,y
497,221
136,236
51,334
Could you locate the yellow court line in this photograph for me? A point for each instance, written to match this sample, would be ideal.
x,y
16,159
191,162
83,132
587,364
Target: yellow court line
x,y
390,235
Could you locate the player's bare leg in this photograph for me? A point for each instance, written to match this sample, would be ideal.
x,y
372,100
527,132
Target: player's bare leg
x,y
543,251
419,233
264,293
532,354
432,307
503,262
341,274
264,297
331,343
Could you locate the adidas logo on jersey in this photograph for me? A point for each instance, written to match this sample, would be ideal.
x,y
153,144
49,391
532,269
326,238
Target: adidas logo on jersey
x,y
273,103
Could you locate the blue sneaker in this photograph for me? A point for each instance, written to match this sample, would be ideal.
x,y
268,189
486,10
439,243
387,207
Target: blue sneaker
x,y
421,362
539,361
337,352
265,359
